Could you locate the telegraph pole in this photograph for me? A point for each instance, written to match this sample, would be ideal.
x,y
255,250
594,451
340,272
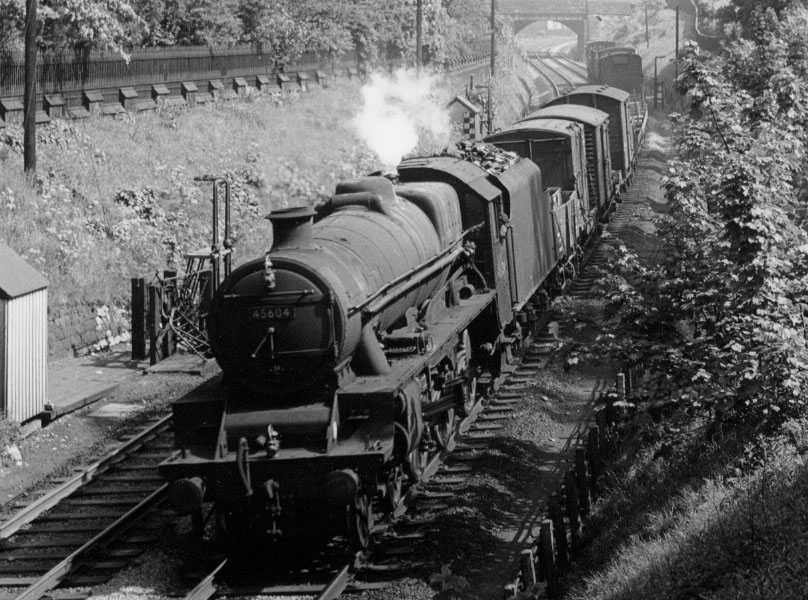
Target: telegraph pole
x,y
419,19
676,67
493,61
29,100
647,37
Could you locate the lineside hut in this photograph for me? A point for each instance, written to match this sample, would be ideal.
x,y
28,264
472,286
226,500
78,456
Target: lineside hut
x,y
467,114
23,338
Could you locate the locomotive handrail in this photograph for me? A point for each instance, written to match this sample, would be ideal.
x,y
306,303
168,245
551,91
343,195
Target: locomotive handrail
x,y
450,253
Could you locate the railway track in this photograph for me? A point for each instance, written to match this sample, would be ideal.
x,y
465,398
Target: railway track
x,y
573,67
79,533
397,538
560,82
561,73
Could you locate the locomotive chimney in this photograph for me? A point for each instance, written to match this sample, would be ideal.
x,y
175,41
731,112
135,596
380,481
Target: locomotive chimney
x,y
291,227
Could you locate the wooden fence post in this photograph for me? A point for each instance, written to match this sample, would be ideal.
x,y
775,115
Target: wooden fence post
x,y
621,385
169,297
582,481
560,531
573,509
527,567
153,322
602,425
593,451
138,318
547,553
509,592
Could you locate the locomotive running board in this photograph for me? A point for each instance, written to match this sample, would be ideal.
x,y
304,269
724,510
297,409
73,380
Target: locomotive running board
x,y
443,332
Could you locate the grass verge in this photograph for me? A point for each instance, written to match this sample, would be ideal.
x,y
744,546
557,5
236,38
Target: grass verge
x,y
690,512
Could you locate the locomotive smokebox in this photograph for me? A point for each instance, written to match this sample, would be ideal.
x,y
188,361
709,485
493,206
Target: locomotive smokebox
x,y
291,227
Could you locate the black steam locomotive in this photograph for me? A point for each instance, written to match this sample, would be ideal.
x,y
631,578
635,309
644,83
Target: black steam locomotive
x,y
353,347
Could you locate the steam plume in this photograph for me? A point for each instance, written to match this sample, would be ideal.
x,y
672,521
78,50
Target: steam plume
x,y
401,111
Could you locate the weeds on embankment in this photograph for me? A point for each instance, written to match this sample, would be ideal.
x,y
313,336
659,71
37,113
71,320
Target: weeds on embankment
x,y
711,516
116,198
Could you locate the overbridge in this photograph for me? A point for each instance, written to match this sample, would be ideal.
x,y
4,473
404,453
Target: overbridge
x,y
574,14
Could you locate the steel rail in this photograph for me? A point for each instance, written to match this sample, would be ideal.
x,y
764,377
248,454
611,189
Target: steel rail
x,y
51,498
562,67
555,69
206,589
573,65
336,586
537,64
55,575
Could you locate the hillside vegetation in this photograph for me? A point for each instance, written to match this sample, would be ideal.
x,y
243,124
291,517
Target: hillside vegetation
x,y
708,498
116,198
283,28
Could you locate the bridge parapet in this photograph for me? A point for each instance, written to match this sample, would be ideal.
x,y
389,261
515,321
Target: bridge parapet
x,y
554,9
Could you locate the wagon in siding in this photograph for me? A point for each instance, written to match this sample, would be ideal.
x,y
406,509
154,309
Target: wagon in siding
x,y
598,157
615,102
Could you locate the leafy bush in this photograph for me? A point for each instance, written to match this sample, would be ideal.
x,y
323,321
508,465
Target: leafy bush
x,y
723,320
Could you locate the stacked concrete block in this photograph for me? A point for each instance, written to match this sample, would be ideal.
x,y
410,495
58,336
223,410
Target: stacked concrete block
x,y
216,88
128,98
55,106
189,92
93,101
303,80
160,93
262,83
240,86
11,110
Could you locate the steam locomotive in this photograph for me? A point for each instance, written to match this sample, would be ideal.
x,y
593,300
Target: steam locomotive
x,y
351,350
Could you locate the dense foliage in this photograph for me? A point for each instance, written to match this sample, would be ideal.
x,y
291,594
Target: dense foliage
x,y
286,28
722,321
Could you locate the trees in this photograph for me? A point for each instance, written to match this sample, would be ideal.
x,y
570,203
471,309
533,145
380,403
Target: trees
x,y
723,319
286,28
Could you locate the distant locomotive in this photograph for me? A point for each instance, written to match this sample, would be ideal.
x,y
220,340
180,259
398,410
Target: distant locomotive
x,y
350,350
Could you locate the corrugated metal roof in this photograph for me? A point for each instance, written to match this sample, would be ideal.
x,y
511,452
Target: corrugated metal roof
x,y
574,112
600,90
17,277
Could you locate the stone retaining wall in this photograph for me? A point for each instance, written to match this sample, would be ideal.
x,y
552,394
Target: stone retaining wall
x,y
84,327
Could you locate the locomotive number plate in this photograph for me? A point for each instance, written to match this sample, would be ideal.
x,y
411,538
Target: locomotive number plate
x,y
272,313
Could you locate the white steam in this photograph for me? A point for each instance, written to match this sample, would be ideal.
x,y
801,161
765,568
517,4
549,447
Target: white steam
x,y
401,111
